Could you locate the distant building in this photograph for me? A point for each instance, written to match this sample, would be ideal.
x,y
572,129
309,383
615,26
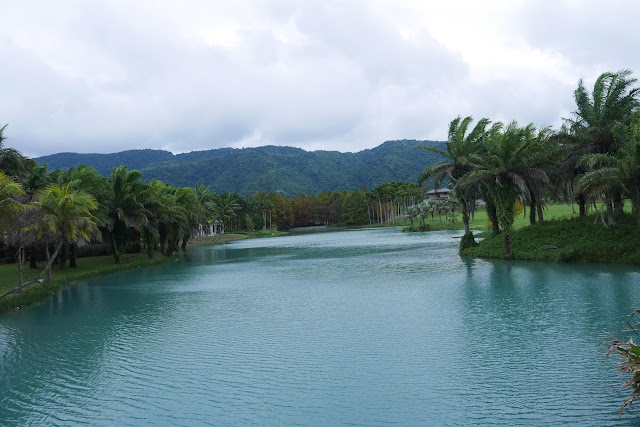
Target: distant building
x,y
210,229
438,194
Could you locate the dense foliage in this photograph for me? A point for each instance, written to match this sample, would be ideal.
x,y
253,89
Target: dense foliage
x,y
593,160
81,211
284,170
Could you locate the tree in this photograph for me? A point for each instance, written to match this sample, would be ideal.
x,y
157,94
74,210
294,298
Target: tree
x,y
67,213
619,172
504,170
612,101
11,161
461,156
354,209
123,207
225,208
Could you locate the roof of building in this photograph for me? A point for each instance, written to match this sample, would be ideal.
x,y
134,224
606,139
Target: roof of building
x,y
439,190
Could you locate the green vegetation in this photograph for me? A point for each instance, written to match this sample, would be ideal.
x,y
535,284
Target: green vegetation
x,y
283,170
593,160
575,239
90,267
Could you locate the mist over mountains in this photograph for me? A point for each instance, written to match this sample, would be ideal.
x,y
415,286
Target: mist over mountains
x,y
286,170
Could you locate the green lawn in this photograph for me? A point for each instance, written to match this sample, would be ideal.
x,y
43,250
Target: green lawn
x,y
480,220
572,239
555,211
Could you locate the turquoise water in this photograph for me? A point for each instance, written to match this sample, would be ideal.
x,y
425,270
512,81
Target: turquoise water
x,y
357,327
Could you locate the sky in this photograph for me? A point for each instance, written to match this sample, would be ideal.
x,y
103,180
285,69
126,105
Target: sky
x,y
96,76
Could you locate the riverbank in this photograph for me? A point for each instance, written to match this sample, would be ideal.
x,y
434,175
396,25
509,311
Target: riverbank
x,y
197,242
87,268
566,240
96,266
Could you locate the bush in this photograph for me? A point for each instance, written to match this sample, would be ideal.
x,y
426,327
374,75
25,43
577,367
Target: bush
x,y
467,241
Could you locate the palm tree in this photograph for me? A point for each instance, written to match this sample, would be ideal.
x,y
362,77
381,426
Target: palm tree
x,y
461,154
67,213
619,172
506,173
612,101
123,207
412,212
194,213
11,161
225,207
10,190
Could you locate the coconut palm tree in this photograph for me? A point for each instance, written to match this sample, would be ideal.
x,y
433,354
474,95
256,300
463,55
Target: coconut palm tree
x,y
124,207
11,161
67,214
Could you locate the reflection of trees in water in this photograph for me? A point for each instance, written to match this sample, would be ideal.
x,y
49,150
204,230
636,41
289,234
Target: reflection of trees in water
x,y
583,298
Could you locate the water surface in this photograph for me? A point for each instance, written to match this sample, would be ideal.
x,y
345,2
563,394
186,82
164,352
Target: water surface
x,y
356,327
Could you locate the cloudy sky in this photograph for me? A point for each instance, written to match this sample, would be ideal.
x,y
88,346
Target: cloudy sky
x,y
105,76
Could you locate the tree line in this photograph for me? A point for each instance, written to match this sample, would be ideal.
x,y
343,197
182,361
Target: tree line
x,y
53,215
592,160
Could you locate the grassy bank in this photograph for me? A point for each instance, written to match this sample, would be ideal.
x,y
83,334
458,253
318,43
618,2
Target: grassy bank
x,y
571,239
93,267
236,235
480,221
87,268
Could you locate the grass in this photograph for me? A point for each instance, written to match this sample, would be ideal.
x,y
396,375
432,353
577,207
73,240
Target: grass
x,y
94,266
236,235
87,267
480,220
570,239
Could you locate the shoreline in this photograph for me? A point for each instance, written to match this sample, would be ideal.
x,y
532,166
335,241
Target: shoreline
x,y
89,267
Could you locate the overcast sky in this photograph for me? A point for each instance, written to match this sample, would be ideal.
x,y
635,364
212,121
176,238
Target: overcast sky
x,y
106,76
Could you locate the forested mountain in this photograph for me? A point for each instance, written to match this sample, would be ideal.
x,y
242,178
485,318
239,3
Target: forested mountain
x,y
286,170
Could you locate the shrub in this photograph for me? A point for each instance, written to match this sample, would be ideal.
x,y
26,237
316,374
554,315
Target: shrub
x,y
467,241
631,365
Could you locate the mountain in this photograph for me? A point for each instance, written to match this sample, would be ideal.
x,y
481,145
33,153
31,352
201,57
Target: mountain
x,y
286,170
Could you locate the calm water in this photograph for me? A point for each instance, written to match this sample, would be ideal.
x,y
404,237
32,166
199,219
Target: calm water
x,y
357,327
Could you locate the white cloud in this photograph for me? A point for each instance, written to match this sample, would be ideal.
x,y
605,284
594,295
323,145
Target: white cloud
x,y
113,75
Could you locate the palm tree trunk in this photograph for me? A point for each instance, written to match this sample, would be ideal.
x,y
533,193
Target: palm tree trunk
x,y
582,203
618,205
63,257
507,244
492,214
32,257
72,256
20,278
116,255
465,216
611,220
49,262
540,215
532,213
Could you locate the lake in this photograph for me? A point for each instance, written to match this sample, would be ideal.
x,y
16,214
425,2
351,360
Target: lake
x,y
364,327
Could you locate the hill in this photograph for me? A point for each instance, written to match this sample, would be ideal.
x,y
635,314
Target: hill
x,y
286,170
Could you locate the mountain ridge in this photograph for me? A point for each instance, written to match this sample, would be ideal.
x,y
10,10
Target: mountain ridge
x,y
288,170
